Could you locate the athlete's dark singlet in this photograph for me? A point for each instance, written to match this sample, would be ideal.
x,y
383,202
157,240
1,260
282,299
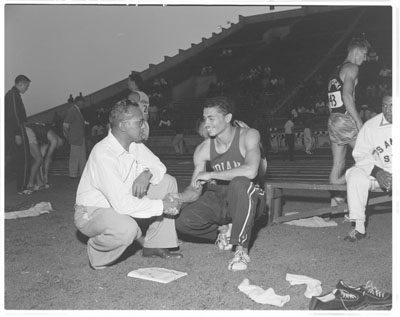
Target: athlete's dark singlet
x,y
230,158
335,89
40,130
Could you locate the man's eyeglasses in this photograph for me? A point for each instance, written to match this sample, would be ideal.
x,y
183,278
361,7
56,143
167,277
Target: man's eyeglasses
x,y
387,105
141,121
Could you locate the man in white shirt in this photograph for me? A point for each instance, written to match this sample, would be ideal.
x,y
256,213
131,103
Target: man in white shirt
x,y
123,191
373,166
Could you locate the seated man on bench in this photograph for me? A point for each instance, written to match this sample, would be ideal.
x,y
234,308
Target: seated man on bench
x,y
373,168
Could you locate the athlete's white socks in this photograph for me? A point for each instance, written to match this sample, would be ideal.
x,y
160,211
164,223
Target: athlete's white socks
x,y
360,226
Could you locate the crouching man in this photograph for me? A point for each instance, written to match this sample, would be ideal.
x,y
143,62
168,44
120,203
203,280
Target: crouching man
x,y
373,168
231,196
124,192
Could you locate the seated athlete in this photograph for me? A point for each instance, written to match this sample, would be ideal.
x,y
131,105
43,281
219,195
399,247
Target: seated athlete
x,y
231,195
373,168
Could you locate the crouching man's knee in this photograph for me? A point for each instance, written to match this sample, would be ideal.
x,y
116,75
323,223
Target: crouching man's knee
x,y
170,183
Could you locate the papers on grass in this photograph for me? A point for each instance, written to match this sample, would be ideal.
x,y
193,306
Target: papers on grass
x,y
38,209
156,274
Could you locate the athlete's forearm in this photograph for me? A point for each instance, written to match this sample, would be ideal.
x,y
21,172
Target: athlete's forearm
x,y
228,175
190,194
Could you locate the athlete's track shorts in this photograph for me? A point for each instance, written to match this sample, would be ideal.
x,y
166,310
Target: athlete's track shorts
x,y
342,128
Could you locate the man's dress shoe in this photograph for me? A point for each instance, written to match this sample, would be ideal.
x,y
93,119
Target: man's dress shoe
x,y
161,253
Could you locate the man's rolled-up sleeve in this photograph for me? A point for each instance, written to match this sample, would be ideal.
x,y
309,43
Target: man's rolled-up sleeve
x,y
110,183
149,160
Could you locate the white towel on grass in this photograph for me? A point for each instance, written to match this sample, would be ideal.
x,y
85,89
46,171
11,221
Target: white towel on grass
x,y
261,296
38,209
311,222
313,286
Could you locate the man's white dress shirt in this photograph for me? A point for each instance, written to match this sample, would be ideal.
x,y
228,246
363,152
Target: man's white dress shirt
x,y
108,176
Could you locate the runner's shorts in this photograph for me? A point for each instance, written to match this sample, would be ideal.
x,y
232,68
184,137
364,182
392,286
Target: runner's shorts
x,y
342,128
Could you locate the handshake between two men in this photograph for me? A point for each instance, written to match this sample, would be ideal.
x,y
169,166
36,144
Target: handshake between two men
x,y
172,203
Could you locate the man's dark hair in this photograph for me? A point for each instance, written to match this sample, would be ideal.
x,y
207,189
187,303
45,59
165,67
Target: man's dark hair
x,y
224,104
137,79
21,78
118,110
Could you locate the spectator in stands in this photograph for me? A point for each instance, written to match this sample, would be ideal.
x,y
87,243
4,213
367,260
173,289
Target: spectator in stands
x,y
43,141
371,90
289,137
124,193
373,166
385,74
16,140
98,132
165,119
294,114
153,114
320,106
231,196
74,132
308,136
382,89
365,113
344,121
262,126
178,140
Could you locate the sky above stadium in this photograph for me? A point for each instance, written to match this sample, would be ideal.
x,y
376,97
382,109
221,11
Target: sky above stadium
x,y
67,49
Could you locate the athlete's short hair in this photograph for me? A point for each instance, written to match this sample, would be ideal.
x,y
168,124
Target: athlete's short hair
x,y
21,78
119,110
224,104
358,42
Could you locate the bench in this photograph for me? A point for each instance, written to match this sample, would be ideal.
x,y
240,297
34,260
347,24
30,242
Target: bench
x,y
274,193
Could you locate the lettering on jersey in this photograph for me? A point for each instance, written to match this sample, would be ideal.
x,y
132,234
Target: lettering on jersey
x,y
224,166
384,149
144,106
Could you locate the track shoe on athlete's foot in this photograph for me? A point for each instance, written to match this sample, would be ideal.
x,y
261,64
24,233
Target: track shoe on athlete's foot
x,y
240,261
354,236
338,299
372,295
222,241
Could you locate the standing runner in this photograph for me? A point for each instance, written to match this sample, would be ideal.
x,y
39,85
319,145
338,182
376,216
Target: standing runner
x,y
344,121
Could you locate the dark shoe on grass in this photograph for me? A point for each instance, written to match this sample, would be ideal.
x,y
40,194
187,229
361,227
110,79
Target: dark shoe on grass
x,y
161,253
373,295
339,299
354,236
